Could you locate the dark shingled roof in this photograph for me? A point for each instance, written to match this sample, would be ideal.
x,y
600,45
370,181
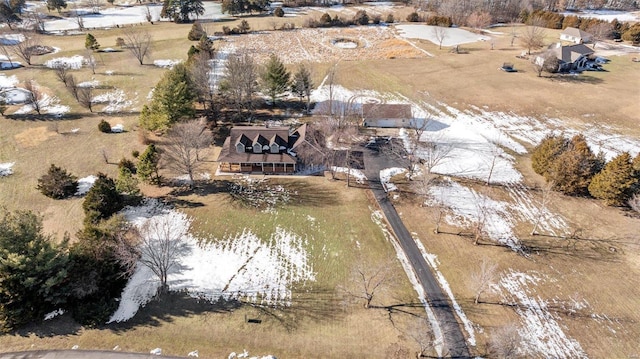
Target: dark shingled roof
x,y
374,111
264,136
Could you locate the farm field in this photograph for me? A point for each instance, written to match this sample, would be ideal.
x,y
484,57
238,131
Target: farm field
x,y
572,294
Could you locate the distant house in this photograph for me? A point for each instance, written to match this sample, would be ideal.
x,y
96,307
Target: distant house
x,y
267,150
572,58
576,36
387,115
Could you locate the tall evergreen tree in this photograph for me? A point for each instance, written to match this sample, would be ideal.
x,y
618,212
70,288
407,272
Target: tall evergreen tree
x,y
172,100
614,184
32,270
102,200
546,152
275,78
97,272
572,170
148,165
180,10
90,43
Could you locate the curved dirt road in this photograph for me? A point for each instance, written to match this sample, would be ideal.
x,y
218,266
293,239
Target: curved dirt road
x,y
454,341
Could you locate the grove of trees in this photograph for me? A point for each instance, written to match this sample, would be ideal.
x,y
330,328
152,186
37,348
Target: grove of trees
x,y
573,169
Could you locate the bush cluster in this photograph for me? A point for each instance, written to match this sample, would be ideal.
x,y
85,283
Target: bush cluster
x,y
573,169
243,28
434,20
104,126
57,183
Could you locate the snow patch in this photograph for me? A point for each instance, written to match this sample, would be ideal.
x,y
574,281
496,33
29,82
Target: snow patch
x,y
8,81
354,173
53,314
6,168
167,64
115,101
386,175
75,62
238,266
543,334
85,184
469,207
452,36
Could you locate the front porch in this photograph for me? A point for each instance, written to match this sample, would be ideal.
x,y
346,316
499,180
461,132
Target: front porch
x,y
262,167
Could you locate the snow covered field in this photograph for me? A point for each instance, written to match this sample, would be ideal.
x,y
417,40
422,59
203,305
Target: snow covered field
x,y
238,266
121,15
452,36
607,15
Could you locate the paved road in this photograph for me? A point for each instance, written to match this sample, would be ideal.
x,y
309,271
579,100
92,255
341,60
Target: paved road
x,y
454,341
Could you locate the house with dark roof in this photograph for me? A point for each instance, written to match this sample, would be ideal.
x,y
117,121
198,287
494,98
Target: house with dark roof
x,y
572,58
576,36
387,115
266,150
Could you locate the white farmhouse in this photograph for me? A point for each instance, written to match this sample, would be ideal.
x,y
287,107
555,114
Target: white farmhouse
x,y
576,36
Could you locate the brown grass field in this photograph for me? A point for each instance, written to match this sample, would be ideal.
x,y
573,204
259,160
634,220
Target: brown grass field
x,y
323,322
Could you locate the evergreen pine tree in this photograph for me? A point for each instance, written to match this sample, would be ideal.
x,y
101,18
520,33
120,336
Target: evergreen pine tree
x,y
148,165
172,100
196,32
615,182
57,183
32,270
572,170
206,45
102,200
91,43
275,78
546,152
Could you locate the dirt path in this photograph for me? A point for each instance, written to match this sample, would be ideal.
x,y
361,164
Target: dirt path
x,y
454,340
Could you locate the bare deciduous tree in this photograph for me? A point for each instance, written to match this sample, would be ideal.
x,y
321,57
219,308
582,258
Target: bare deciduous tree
x,y
366,282
482,278
479,224
532,37
331,82
90,60
72,86
440,33
421,334
182,146
600,30
138,42
78,18
541,207
161,245
479,20
200,72
62,72
35,95
25,48
505,342
241,80
85,97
